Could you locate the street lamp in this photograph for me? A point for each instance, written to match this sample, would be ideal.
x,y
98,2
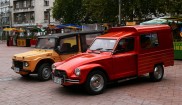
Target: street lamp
x,y
48,10
119,12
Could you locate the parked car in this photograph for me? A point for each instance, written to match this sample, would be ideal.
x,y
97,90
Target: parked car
x,y
122,53
50,49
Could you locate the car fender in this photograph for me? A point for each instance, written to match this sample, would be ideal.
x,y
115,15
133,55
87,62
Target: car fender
x,y
86,69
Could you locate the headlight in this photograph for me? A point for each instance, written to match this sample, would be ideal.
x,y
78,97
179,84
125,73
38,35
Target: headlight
x,y
77,72
26,64
53,67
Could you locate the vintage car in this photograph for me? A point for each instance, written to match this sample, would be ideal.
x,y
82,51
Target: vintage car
x,y
50,49
122,53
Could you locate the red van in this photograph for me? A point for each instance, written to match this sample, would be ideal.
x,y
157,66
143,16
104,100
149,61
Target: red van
x,y
124,52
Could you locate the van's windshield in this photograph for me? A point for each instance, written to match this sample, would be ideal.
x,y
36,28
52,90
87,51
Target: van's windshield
x,y
103,44
46,43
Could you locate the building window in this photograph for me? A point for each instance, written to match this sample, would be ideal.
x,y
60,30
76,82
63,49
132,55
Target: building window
x,y
25,4
46,2
46,15
17,5
32,3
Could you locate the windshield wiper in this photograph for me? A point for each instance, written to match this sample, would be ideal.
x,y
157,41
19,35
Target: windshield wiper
x,y
99,49
108,49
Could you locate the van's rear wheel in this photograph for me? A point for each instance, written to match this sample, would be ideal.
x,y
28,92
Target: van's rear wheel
x,y
44,72
157,73
95,83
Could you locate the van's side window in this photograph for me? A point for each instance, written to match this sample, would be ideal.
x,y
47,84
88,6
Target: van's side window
x,y
68,45
126,44
149,40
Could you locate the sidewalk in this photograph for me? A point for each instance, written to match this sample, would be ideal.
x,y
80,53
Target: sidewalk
x,y
15,90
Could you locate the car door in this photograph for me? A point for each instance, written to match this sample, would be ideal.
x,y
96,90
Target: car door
x,y
124,59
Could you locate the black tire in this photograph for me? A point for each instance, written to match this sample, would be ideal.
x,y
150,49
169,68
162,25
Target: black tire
x,y
157,73
25,75
99,82
44,72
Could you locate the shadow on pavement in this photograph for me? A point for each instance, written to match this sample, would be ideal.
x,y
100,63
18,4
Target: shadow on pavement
x,y
32,78
79,90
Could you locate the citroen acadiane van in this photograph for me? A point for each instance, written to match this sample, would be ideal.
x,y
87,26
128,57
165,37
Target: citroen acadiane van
x,y
122,53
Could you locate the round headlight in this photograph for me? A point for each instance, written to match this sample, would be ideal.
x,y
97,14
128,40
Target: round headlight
x,y
26,64
77,72
53,67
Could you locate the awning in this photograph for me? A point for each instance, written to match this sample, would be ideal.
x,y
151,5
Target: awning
x,y
9,29
13,29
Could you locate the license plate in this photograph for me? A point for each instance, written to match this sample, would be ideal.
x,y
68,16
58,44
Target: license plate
x,y
57,80
16,69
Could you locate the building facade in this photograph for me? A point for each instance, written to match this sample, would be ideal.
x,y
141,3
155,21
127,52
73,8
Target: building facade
x,y
25,13
5,13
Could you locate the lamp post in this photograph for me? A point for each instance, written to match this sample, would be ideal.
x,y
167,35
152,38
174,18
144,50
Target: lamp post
x,y
119,22
48,10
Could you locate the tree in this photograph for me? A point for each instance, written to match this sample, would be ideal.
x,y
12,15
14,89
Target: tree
x,y
69,11
105,11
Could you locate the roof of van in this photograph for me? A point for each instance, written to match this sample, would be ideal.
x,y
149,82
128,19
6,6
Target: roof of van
x,y
128,30
71,33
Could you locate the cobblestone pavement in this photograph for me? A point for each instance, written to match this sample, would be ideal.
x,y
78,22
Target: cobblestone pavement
x,y
15,90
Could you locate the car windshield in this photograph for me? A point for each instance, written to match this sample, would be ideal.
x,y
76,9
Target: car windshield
x,y
46,43
103,44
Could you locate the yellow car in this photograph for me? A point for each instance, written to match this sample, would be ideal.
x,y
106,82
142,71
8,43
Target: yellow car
x,y
50,49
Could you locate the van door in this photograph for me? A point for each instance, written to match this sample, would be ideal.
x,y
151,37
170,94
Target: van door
x,y
125,59
68,46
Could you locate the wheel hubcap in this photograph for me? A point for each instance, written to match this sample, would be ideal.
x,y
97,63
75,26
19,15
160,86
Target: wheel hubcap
x,y
46,73
97,82
158,72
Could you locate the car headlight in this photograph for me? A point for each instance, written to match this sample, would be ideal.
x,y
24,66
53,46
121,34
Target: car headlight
x,y
77,72
26,64
53,67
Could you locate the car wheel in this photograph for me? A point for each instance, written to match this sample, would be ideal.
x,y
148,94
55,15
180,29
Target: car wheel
x,y
157,73
95,83
44,72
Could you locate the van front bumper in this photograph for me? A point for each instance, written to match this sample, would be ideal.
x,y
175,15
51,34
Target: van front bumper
x,y
19,70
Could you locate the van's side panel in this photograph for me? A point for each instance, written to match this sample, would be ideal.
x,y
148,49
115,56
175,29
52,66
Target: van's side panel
x,y
162,54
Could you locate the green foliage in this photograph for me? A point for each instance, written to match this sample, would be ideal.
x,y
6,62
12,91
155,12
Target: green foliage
x,y
101,11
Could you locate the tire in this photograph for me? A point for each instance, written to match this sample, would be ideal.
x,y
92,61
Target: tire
x,y
157,73
95,83
44,72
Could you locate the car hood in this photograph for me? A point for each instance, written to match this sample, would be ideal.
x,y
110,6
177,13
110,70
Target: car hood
x,y
81,59
32,54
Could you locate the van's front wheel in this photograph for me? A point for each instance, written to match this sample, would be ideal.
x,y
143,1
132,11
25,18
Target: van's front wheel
x,y
44,72
157,73
95,83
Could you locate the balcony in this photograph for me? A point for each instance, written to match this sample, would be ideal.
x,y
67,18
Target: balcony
x,y
5,23
26,9
7,14
24,23
6,3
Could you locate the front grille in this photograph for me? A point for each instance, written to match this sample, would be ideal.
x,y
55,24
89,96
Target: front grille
x,y
60,73
18,64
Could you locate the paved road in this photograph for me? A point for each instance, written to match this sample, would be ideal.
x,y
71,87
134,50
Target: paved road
x,y
15,90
